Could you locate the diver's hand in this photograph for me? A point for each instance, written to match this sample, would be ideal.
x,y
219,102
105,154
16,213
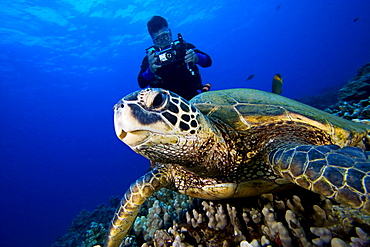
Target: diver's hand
x,y
191,56
152,59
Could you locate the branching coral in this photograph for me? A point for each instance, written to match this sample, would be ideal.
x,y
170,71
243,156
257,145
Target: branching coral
x,y
291,218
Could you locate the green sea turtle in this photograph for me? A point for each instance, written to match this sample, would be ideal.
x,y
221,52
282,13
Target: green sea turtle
x,y
238,143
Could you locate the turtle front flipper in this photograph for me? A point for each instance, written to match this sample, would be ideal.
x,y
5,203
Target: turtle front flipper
x,y
131,202
342,174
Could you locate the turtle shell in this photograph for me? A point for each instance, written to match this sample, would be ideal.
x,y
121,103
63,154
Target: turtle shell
x,y
243,109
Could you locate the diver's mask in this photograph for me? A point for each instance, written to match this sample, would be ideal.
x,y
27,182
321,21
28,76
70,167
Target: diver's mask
x,y
163,39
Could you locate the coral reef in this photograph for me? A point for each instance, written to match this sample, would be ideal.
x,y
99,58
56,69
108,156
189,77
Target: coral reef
x,y
89,228
354,110
159,212
294,217
354,97
349,100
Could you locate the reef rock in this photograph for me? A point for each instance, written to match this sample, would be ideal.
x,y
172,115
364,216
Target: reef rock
x,y
89,228
357,88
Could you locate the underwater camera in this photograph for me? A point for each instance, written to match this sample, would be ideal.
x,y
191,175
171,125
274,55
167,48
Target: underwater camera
x,y
165,56
176,52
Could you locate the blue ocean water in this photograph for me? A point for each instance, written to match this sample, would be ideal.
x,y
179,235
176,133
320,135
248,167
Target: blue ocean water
x,y
64,64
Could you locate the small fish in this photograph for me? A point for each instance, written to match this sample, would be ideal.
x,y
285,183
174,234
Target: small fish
x,y
250,77
356,19
278,7
277,84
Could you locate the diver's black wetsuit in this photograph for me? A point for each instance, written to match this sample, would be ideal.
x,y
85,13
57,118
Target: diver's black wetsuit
x,y
176,77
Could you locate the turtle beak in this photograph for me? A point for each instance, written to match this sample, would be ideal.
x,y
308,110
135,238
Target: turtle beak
x,y
133,138
126,126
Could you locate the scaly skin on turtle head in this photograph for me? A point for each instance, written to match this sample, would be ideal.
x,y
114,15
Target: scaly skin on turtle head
x,y
163,126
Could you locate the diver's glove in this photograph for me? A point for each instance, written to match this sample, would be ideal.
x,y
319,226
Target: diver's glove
x,y
206,87
152,59
191,56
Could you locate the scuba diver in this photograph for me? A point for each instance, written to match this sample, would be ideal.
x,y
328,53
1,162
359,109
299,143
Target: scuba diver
x,y
172,65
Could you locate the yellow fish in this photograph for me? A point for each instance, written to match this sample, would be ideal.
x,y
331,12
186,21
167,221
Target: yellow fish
x,y
277,84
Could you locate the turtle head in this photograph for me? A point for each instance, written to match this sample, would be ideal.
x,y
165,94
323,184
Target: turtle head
x,y
160,125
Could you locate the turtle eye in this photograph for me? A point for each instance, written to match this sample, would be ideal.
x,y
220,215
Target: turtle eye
x,y
159,100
